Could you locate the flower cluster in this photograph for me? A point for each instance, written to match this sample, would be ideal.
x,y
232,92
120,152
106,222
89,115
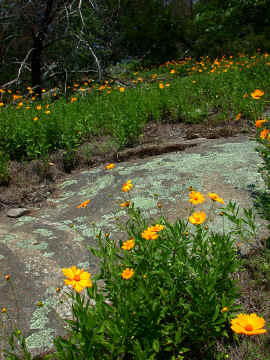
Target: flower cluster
x,y
197,198
151,233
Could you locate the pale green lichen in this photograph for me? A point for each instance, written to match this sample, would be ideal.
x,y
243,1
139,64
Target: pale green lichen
x,y
32,244
43,232
97,186
7,238
68,183
40,339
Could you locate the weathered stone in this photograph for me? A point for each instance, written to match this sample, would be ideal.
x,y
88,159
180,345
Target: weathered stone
x,y
17,212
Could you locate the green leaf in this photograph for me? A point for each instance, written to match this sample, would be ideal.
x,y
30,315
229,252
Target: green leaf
x,y
156,345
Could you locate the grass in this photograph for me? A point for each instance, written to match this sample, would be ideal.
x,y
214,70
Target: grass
x,y
189,92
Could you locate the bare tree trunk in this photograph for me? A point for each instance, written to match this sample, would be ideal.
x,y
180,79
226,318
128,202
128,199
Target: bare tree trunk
x,y
36,64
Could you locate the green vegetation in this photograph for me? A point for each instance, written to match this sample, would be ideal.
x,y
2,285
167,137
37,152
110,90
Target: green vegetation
x,y
171,290
185,91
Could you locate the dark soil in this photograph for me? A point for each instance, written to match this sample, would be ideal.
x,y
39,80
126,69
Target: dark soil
x,y
31,183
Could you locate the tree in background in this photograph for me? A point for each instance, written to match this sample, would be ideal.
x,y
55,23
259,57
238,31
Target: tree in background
x,y
41,38
230,26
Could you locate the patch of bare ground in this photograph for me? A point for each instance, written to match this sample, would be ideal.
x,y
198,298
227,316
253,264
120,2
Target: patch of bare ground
x,y
32,182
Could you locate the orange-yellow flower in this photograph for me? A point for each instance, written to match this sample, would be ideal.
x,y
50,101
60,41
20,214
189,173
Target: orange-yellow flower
x,y
125,204
248,324
127,186
129,244
264,133
197,218
161,86
225,309
16,97
156,228
149,234
84,204
196,197
35,118
1,104
78,279
73,99
122,89
172,71
259,123
257,94
238,116
110,166
127,273
215,197
38,107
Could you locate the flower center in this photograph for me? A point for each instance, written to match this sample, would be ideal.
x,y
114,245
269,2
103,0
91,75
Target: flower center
x,y
249,327
77,278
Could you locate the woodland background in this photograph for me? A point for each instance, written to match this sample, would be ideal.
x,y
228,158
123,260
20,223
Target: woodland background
x,y
45,43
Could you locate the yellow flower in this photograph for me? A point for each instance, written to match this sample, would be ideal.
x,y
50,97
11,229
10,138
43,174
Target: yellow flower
x,y
127,273
127,186
125,204
225,309
197,218
156,228
259,123
3,310
168,84
256,94
215,197
38,107
122,89
154,76
47,112
129,244
264,133
149,234
73,99
1,104
78,279
16,97
35,118
196,197
84,204
172,71
248,324
109,166
161,86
